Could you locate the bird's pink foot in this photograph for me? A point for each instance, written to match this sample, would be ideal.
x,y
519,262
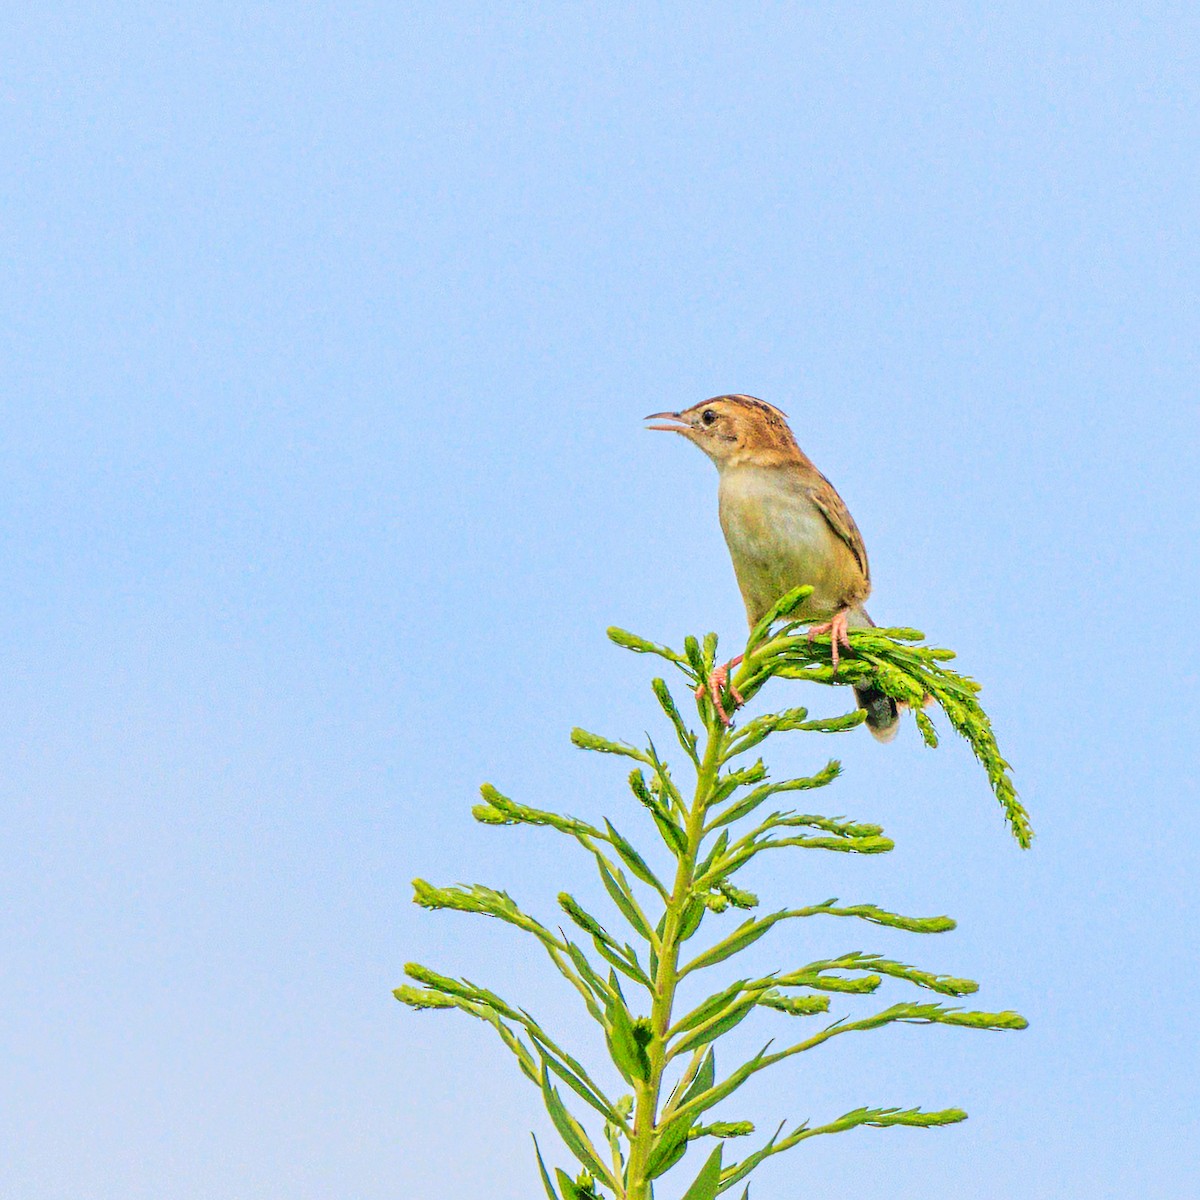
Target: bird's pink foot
x,y
836,628
716,683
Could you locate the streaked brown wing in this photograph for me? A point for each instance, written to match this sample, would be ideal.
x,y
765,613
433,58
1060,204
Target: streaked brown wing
x,y
834,510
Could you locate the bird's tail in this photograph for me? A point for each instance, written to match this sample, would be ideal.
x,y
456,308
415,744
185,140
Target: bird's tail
x,y
883,714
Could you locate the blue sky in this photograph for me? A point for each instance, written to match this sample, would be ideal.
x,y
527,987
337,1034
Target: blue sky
x,y
325,337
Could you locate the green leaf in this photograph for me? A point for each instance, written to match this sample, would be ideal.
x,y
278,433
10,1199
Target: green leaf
x,y
744,935
717,1026
620,957
693,914
671,1142
637,785
669,1147
687,739
705,1186
672,835
623,897
670,832
625,962
586,971
732,780
550,1192
787,604
627,1053
758,730
632,859
749,803
668,793
698,1101
569,1071
705,1077
572,1133
718,848
583,918
569,1190
708,1008
524,1059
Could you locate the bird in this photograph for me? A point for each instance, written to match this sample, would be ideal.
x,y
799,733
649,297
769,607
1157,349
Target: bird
x,y
785,526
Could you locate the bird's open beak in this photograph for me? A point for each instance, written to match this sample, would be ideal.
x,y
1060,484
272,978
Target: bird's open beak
x,y
680,426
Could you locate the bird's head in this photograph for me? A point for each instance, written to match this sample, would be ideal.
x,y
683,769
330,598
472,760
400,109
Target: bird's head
x,y
733,430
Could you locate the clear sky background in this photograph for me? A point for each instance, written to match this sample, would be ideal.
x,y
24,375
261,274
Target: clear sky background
x,y
325,333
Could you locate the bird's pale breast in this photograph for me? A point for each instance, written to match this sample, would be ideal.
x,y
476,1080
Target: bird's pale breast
x,y
778,539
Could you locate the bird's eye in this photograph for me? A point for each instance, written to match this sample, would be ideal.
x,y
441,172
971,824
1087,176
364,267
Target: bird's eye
x,y
708,416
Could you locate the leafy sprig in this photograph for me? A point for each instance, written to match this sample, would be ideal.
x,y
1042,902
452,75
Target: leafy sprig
x,y
654,1101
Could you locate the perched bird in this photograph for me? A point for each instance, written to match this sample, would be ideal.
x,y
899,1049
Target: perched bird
x,y
785,527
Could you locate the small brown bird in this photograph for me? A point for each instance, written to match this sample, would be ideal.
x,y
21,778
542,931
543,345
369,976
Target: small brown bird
x,y
785,526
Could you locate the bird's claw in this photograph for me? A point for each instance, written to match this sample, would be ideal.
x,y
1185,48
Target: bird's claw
x,y
716,682
836,628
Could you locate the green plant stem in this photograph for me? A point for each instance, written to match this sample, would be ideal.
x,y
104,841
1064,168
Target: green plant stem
x,y
667,977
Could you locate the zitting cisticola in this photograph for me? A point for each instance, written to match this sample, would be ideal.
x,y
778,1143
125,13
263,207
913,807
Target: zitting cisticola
x,y
785,527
